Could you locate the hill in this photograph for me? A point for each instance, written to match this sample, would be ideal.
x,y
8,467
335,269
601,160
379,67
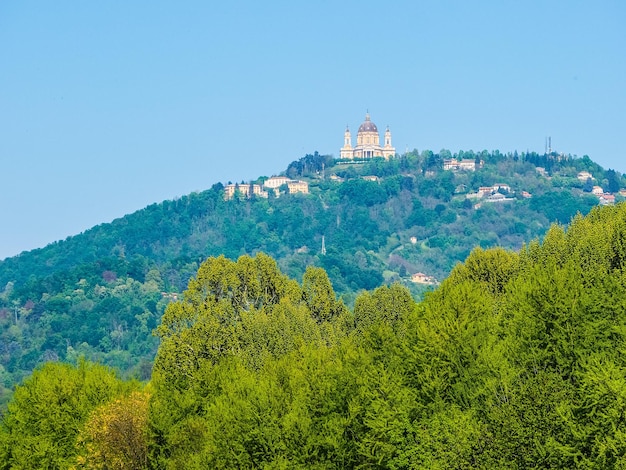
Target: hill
x,y
514,361
101,293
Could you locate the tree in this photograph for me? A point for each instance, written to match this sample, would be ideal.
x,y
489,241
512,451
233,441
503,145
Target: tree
x,y
433,161
445,154
561,206
385,305
243,314
319,296
49,409
613,181
115,435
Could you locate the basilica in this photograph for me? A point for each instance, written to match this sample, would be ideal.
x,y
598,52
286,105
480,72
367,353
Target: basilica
x,y
367,142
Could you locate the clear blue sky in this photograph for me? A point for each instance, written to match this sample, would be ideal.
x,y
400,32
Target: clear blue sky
x,y
106,107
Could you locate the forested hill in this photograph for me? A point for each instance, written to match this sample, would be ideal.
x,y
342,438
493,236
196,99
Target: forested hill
x,y
515,361
101,293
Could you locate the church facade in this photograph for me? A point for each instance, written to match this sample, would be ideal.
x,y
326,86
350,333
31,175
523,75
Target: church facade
x,y
367,142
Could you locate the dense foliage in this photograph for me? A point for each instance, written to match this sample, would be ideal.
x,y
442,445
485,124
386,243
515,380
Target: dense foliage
x,y
515,361
101,293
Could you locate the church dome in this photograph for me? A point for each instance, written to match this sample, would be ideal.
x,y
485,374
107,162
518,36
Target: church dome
x,y
368,126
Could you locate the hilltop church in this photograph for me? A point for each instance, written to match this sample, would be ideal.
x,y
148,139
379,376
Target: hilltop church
x,y
367,142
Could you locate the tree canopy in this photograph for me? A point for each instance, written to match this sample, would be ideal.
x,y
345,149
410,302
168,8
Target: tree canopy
x,y
514,361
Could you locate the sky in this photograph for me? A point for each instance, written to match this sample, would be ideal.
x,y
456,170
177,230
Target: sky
x,y
107,107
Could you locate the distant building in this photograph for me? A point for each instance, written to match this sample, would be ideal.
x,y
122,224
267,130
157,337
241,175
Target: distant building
x,y
367,142
498,197
298,187
370,178
169,295
460,189
584,176
244,189
421,278
485,191
466,164
597,190
450,163
607,200
275,182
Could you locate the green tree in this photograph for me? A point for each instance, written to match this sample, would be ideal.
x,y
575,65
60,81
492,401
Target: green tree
x,y
319,296
613,181
115,435
386,304
49,409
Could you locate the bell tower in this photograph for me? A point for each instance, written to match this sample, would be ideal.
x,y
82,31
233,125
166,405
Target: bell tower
x,y
388,150
346,150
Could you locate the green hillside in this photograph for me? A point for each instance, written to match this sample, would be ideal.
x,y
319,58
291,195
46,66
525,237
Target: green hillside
x,y
515,361
100,294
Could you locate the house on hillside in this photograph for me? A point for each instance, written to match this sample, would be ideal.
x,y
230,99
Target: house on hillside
x,y
276,182
298,187
450,164
584,176
245,189
485,190
606,200
498,197
421,278
501,186
370,178
460,189
466,164
273,184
